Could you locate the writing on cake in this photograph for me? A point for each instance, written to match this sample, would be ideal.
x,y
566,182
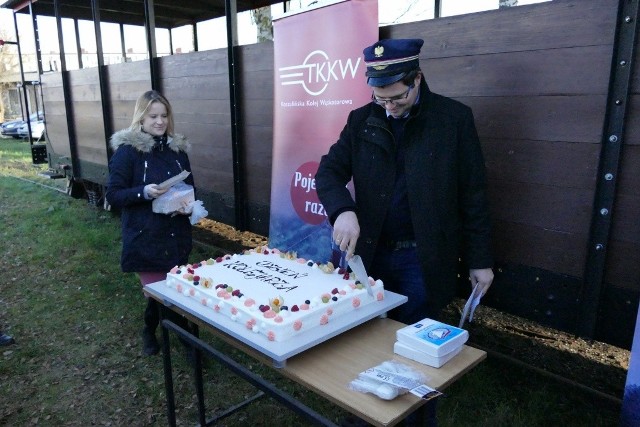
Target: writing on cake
x,y
275,294
279,283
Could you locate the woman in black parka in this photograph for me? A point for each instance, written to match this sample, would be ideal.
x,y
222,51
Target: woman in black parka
x,y
145,154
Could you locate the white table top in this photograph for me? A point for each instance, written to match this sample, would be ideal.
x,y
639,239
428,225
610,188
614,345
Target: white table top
x,y
279,352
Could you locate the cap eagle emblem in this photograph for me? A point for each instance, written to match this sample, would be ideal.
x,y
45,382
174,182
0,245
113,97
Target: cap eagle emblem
x,y
378,51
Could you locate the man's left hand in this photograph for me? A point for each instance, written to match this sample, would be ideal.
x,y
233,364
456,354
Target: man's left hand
x,y
483,277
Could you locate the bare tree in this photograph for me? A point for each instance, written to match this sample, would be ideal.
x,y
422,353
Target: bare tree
x,y
508,3
3,89
8,65
407,10
262,18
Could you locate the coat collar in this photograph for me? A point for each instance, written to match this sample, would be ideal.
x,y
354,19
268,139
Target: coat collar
x,y
144,142
422,111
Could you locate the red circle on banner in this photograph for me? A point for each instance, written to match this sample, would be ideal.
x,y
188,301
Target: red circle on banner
x,y
303,194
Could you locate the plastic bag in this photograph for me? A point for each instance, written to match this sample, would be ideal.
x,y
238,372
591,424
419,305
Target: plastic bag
x,y
380,389
175,198
388,380
180,199
197,211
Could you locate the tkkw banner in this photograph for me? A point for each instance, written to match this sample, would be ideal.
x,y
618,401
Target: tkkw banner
x,y
319,78
630,414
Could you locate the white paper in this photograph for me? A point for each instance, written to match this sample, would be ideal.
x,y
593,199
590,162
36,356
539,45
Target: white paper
x,y
470,306
392,378
174,180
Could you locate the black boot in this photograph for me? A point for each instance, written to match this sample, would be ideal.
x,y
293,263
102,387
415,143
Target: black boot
x,y
150,344
6,339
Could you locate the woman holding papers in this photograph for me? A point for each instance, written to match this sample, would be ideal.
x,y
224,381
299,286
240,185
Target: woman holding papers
x,y
145,155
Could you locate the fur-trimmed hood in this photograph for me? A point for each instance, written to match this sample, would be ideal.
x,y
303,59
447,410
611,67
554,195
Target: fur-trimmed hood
x,y
144,142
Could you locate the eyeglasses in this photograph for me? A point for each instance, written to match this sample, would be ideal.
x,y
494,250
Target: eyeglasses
x,y
394,100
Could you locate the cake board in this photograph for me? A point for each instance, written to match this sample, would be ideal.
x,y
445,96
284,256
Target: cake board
x,y
277,351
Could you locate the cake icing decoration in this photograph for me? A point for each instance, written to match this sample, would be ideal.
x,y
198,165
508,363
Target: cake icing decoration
x,y
272,292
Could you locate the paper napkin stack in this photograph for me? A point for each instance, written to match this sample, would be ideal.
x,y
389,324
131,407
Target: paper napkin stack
x,y
430,342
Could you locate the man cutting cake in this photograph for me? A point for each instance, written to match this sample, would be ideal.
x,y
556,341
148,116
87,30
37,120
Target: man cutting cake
x,y
419,178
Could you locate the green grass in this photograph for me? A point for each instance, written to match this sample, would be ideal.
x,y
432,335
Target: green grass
x,y
77,319
15,160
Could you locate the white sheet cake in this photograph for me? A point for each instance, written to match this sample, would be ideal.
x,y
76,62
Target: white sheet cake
x,y
273,293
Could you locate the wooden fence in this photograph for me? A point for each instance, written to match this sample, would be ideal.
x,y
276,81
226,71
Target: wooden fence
x,y
538,79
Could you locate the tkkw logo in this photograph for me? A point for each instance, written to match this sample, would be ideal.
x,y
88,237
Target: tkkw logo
x,y
317,71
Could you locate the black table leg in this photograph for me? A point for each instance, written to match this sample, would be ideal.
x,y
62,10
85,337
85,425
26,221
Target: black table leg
x,y
197,374
168,373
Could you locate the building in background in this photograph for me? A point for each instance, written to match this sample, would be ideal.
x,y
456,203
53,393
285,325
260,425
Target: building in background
x,y
11,98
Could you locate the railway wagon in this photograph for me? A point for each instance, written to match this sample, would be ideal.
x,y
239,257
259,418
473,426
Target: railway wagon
x,y
554,90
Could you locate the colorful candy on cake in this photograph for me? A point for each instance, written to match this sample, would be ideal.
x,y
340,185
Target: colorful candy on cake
x,y
273,293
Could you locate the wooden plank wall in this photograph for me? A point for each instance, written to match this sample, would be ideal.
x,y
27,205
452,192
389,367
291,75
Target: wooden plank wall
x,y
87,113
55,115
126,81
256,88
88,116
537,79
197,87
623,260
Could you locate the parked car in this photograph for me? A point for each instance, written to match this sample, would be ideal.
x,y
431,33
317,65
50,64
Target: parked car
x,y
12,127
37,129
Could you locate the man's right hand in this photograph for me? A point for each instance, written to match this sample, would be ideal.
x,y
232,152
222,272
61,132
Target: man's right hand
x,y
346,231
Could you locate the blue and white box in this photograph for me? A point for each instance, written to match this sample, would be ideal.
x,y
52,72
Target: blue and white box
x,y
435,339
422,357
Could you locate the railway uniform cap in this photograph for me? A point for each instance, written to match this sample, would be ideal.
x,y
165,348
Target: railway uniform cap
x,y
389,60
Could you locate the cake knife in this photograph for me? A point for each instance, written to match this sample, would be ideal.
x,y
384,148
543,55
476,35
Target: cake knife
x,y
361,274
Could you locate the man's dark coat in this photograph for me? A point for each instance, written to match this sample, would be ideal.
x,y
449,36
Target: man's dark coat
x,y
446,183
